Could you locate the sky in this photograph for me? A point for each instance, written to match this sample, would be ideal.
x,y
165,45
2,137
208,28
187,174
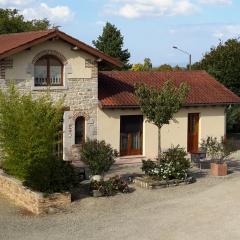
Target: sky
x,y
150,27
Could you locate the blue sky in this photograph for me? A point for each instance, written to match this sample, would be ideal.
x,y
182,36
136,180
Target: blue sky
x,y
150,27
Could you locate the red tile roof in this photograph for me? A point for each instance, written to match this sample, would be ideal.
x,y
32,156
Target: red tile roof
x,y
116,89
17,42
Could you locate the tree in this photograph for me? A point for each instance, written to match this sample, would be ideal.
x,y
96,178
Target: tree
x,y
29,130
223,62
146,66
160,105
111,42
13,22
164,68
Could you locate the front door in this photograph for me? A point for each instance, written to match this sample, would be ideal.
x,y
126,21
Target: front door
x,y
193,132
131,135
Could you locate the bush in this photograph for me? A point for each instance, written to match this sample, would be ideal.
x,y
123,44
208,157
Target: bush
x,y
51,175
217,150
148,166
173,165
28,130
98,155
111,186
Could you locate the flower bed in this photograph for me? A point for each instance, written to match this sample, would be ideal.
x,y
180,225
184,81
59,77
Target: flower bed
x,y
34,202
150,183
109,187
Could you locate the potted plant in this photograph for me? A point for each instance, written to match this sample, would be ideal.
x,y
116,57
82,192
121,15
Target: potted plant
x,y
99,157
218,153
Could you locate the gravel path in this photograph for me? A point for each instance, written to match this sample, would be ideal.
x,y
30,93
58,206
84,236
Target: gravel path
x,y
207,209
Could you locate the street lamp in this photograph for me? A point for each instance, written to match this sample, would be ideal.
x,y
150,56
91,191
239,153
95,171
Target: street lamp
x,y
185,52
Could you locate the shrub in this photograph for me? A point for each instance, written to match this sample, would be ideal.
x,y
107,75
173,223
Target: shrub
x,y
148,166
111,186
173,165
28,130
51,175
217,150
98,155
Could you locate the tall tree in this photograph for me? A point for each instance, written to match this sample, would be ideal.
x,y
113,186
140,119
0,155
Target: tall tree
x,y
13,22
223,62
160,105
111,42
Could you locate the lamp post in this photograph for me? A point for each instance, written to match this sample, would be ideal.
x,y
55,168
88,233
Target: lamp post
x,y
185,52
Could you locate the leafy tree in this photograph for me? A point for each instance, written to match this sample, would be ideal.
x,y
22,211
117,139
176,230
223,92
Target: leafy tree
x,y
29,129
13,22
111,42
223,62
146,66
164,68
160,105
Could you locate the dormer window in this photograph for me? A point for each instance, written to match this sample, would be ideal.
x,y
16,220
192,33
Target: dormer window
x,y
48,71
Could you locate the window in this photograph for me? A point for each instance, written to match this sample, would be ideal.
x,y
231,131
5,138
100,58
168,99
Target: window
x,y
79,130
48,71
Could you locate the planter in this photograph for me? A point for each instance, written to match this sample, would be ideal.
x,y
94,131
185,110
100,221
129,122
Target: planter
x,y
218,169
146,182
34,202
97,178
97,193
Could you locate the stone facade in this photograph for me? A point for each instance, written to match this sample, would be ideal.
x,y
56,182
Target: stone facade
x,y
79,90
33,201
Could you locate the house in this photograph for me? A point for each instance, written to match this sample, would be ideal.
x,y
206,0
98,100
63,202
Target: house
x,y
102,105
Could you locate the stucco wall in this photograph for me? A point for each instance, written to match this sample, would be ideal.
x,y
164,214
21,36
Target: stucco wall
x,y
212,123
80,90
22,61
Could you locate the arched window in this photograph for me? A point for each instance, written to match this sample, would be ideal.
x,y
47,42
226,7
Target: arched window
x,y
79,130
48,71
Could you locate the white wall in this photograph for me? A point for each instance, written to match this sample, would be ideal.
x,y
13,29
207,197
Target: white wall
x,y
212,123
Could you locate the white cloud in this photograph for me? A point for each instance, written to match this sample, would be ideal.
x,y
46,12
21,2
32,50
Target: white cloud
x,y
216,2
227,31
54,14
36,10
150,8
210,30
14,2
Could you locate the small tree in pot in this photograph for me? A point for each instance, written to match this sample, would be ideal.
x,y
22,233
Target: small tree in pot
x,y
218,152
98,156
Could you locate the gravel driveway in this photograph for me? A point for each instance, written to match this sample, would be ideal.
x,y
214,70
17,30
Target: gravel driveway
x,y
207,209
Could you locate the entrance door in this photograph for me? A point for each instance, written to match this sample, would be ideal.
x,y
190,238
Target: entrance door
x,y
193,132
131,135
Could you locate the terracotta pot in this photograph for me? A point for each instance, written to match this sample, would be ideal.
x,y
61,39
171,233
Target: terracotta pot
x,y
219,169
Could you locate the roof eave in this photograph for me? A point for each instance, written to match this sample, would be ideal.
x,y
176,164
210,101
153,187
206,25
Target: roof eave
x,y
185,105
27,45
68,39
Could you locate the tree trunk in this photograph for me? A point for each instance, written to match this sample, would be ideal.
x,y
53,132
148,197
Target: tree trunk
x,y
159,144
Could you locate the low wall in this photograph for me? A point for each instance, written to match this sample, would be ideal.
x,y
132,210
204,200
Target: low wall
x,y
33,201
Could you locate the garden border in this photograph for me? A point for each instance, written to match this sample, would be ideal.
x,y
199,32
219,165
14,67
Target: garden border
x,y
152,184
34,202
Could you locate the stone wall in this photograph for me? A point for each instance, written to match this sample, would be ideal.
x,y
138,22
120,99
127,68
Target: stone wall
x,y
33,201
